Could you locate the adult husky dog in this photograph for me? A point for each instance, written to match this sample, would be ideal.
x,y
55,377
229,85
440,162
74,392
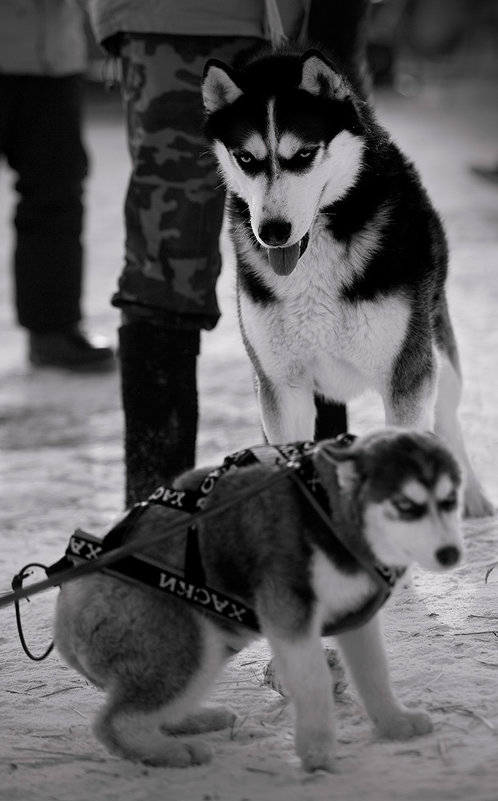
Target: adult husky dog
x,y
342,259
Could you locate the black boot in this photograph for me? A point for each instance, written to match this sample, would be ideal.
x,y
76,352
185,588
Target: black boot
x,y
159,393
71,349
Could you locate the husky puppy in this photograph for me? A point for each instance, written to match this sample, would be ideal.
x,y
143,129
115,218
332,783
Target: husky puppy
x,y
157,656
341,258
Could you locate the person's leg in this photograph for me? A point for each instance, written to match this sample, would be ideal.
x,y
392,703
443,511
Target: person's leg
x,y
7,98
173,213
46,151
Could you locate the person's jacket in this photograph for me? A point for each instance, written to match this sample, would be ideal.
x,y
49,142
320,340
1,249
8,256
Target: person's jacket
x,y
42,37
192,17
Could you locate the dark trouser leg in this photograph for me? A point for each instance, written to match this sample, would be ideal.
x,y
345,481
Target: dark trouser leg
x,y
158,381
174,212
40,136
45,149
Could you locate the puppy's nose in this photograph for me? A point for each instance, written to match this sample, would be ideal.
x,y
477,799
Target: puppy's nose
x,y
275,232
448,556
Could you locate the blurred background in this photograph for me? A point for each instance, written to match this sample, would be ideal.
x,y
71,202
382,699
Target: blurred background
x,y
435,68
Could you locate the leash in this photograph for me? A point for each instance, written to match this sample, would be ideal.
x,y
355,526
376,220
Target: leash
x,y
63,576
17,582
63,571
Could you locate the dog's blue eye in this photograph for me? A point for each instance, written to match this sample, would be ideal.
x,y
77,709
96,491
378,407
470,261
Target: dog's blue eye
x,y
306,154
244,157
407,509
449,503
301,160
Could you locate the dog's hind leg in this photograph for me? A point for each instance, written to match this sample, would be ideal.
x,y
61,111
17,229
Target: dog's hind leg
x,y
363,649
447,426
146,714
139,735
428,400
143,735
411,410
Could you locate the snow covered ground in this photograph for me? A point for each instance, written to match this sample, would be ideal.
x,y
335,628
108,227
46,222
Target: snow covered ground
x,y
61,467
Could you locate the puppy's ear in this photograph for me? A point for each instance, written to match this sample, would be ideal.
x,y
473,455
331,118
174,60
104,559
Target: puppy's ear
x,y
330,457
218,86
319,77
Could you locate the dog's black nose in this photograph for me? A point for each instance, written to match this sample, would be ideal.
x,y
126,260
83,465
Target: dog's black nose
x,y
447,556
275,232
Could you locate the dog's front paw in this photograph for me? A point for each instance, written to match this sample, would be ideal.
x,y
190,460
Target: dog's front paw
x,y
316,750
318,757
403,725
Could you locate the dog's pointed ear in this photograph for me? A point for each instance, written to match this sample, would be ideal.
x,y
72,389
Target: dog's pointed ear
x,y
319,77
218,86
331,455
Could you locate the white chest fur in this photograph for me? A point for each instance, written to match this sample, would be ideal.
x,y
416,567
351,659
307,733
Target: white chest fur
x,y
338,594
312,334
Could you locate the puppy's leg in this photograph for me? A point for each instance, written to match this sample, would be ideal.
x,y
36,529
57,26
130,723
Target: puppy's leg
x,y
305,673
145,713
287,411
364,652
448,427
132,733
209,718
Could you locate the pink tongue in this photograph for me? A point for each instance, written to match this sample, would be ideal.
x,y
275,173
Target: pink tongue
x,y
283,260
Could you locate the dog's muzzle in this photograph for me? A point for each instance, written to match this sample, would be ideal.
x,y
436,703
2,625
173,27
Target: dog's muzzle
x,y
283,260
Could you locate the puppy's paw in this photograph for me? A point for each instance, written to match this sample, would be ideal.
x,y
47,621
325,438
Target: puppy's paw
x,y
179,754
215,718
209,718
318,757
403,725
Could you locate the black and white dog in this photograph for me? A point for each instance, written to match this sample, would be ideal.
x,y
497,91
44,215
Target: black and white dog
x,y
342,259
393,496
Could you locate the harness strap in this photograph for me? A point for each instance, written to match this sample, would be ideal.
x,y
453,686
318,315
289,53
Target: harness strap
x,y
297,458
144,570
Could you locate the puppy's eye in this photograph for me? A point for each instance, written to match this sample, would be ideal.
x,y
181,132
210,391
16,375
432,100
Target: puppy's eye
x,y
449,503
408,509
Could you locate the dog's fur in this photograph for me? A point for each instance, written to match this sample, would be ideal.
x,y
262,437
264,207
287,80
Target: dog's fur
x,y
342,259
157,656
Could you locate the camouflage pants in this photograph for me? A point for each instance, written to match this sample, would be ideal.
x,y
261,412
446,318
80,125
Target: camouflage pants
x,y
174,204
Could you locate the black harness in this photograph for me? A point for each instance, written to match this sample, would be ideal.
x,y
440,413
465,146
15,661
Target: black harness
x,y
189,583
